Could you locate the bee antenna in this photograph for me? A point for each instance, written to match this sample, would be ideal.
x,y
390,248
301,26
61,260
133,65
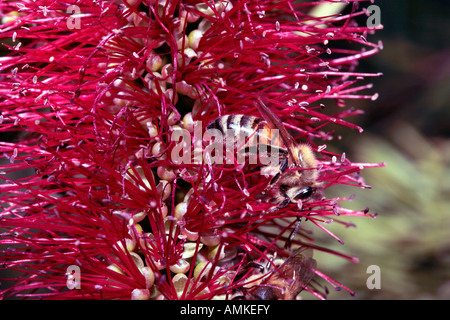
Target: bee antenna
x,y
255,265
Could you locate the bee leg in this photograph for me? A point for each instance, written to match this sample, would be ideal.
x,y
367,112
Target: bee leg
x,y
308,216
283,167
282,204
256,266
287,245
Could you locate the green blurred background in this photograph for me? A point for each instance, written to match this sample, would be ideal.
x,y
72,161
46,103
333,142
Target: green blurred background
x,y
408,128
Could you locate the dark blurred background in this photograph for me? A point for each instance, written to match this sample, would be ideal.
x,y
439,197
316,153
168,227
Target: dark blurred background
x,y
407,127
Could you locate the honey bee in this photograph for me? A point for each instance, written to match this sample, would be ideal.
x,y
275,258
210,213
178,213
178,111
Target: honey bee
x,y
296,177
286,281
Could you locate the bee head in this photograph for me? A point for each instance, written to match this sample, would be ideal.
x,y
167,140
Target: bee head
x,y
297,193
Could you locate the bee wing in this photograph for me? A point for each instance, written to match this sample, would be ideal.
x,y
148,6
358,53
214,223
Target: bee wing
x,y
300,267
276,123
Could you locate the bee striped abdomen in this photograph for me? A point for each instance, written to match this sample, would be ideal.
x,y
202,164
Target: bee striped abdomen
x,y
243,126
235,122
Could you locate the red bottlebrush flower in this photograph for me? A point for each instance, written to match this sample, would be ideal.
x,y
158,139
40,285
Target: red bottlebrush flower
x,y
95,205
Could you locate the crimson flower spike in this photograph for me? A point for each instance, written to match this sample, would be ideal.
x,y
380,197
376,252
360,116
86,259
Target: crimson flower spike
x,y
106,191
